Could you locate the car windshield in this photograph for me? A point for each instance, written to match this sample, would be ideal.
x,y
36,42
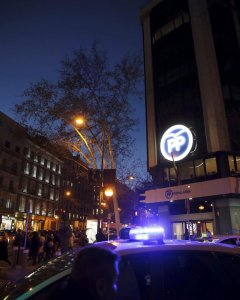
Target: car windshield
x,y
178,275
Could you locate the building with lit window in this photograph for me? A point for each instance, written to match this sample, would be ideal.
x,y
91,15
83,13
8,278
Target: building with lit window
x,y
192,63
34,181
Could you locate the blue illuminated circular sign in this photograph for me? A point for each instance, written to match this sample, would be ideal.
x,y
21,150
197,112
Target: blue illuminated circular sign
x,y
176,142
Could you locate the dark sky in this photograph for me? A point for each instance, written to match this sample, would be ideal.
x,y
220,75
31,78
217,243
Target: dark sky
x,y
36,34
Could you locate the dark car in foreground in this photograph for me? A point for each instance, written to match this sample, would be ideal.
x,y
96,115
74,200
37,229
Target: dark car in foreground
x,y
150,268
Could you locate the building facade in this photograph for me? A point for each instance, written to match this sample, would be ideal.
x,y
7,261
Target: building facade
x,y
192,63
34,183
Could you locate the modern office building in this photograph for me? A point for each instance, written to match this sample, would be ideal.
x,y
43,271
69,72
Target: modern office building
x,y
192,81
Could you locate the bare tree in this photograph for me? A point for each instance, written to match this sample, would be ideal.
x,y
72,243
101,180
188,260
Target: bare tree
x,y
90,87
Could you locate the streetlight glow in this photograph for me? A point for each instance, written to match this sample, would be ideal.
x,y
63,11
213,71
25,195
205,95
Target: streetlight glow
x,y
79,121
108,192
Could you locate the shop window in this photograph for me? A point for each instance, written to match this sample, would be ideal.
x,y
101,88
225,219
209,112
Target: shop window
x,y
231,163
186,170
238,163
26,168
22,203
199,168
211,166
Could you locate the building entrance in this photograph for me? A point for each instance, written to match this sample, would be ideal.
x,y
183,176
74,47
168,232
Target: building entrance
x,y
196,229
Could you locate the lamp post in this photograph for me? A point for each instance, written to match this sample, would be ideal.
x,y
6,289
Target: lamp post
x,y
80,121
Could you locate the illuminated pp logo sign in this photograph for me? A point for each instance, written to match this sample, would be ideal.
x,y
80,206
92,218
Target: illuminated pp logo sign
x,y
176,142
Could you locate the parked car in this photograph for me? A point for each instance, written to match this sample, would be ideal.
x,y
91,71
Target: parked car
x,y
150,268
227,239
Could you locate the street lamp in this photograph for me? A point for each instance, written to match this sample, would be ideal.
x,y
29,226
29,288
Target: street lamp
x,y
79,121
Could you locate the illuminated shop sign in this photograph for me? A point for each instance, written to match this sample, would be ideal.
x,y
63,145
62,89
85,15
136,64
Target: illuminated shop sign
x,y
176,142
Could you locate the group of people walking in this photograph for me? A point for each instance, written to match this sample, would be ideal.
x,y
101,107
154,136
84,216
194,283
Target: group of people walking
x,y
41,245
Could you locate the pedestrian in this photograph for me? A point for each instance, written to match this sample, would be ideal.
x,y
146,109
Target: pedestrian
x,y
65,234
93,277
35,244
17,244
208,233
100,236
4,248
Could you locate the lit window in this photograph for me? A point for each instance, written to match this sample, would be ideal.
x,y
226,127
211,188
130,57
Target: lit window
x,y
34,171
26,168
39,193
42,161
52,194
22,203
47,175
40,174
37,208
211,166
199,168
48,164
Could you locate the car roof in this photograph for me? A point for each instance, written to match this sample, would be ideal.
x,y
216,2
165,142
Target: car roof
x,y
61,266
124,247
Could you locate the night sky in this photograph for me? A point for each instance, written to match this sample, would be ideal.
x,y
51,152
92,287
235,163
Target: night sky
x,y
35,35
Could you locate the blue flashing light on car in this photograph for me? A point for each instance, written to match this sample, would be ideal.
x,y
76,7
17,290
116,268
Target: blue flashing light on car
x,y
146,233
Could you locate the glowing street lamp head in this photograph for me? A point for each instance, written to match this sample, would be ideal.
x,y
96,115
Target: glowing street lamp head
x,y
176,142
79,121
108,192
68,193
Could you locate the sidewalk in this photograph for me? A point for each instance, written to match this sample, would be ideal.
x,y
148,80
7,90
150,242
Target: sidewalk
x,y
7,273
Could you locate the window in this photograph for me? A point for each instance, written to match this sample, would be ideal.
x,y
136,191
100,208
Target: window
x,y
186,170
22,203
199,168
9,203
48,164
211,166
54,167
42,161
58,181
51,194
39,191
47,175
28,153
59,169
44,208
24,185
14,168
35,157
37,208
26,168
57,195
40,174
34,171
53,179
238,163
231,163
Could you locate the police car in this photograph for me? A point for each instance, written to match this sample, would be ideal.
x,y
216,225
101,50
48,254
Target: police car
x,y
150,268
